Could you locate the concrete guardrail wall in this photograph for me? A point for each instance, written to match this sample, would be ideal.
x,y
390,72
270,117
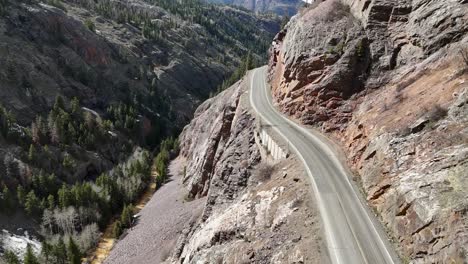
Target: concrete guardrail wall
x,y
275,151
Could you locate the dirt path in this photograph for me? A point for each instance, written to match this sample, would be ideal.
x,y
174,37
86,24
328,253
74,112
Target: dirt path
x,y
161,221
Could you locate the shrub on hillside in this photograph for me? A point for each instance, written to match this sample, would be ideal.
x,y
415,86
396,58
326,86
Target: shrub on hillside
x,y
90,25
263,172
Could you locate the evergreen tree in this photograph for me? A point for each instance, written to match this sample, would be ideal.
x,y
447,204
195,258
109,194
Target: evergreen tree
x,y
32,204
60,252
32,153
74,255
11,257
47,251
126,216
64,197
50,202
117,229
29,257
75,106
59,103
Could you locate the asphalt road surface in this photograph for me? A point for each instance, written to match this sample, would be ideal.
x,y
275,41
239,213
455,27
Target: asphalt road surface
x,y
352,232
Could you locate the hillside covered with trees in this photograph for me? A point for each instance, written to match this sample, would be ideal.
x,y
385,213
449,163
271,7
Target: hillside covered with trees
x,y
91,94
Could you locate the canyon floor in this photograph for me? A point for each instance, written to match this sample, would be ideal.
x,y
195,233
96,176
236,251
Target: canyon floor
x,y
160,223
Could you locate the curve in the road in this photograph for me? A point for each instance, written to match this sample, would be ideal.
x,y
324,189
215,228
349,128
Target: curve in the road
x,y
352,232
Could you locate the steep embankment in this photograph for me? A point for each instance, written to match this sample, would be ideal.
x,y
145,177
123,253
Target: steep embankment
x,y
387,79
255,212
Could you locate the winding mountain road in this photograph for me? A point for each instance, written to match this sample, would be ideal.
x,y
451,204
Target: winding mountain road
x,y
352,232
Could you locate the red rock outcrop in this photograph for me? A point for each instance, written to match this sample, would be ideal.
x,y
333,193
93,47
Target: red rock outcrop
x,y
317,62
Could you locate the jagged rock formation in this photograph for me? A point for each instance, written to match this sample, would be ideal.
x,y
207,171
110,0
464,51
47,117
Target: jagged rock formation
x,y
243,221
318,66
388,80
220,145
281,7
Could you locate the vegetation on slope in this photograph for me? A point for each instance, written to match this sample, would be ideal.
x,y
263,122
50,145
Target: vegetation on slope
x,y
224,25
72,168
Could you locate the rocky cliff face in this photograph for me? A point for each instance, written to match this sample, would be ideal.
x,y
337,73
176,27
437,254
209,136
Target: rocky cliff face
x,y
315,68
215,141
243,221
314,72
389,83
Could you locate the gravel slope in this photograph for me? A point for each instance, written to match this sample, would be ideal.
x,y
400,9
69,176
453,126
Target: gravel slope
x,y
160,223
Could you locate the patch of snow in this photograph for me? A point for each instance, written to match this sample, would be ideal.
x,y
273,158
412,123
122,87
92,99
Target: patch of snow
x,y
18,243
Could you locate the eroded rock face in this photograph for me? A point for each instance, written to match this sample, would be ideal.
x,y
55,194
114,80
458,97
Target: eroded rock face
x,y
406,31
220,145
405,130
416,179
317,62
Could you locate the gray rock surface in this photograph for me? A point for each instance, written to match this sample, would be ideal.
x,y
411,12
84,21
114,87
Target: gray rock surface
x,y
219,145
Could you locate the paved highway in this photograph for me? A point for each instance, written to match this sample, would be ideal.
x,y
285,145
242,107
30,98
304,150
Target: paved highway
x,y
352,232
